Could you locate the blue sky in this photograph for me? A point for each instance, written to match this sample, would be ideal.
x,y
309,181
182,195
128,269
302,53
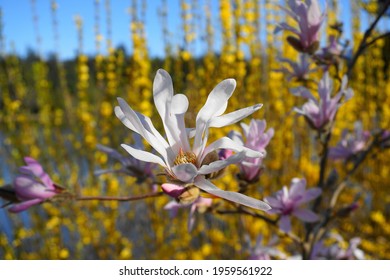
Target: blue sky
x,y
19,28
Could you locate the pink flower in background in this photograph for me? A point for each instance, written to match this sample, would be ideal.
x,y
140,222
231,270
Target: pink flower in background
x,y
131,166
32,186
336,252
265,252
350,144
331,50
200,205
256,139
187,167
288,202
321,112
298,70
309,18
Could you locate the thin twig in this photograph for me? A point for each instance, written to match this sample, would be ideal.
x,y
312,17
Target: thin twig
x,y
116,198
363,45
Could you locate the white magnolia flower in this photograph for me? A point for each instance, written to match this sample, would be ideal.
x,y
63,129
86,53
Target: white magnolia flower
x,y
189,165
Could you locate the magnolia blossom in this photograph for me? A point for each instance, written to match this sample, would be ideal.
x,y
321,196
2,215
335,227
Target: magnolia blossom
x,y
336,252
288,202
188,167
256,139
200,205
309,18
331,52
350,144
321,112
298,70
265,252
131,166
32,186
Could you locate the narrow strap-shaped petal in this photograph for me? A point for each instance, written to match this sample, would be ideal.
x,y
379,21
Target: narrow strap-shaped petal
x,y
175,124
306,215
274,203
285,223
297,188
233,117
19,207
131,119
220,164
236,136
239,198
143,155
227,143
310,195
215,105
285,26
110,151
169,106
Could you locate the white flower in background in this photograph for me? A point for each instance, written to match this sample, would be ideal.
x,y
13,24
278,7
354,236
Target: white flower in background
x,y
188,166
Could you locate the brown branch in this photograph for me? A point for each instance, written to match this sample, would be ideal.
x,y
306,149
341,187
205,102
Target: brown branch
x,y
121,199
384,35
320,229
363,45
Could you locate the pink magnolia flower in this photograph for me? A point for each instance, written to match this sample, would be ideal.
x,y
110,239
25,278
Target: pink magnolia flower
x,y
350,144
200,205
32,186
256,139
265,252
309,18
298,70
187,166
288,202
333,49
321,112
131,166
336,252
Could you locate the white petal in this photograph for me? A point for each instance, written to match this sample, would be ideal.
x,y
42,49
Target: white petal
x,y
144,156
227,143
162,91
220,164
208,187
233,117
216,102
245,128
236,136
185,172
179,104
132,120
215,105
171,109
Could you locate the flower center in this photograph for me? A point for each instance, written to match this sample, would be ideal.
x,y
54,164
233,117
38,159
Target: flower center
x,y
185,157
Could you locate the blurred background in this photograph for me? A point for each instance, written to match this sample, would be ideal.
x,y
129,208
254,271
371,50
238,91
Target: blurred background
x,y
64,63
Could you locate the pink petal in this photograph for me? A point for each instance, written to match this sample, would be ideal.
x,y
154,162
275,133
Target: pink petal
x,y
28,188
310,195
306,215
19,207
172,189
34,168
285,223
